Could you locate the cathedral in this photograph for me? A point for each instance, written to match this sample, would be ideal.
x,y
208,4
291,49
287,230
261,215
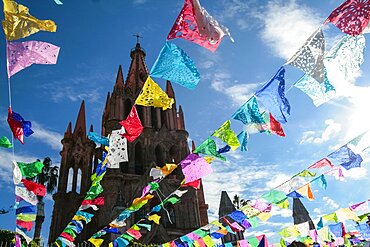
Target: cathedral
x,y
164,140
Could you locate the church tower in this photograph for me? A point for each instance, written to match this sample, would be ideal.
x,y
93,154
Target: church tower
x,y
163,140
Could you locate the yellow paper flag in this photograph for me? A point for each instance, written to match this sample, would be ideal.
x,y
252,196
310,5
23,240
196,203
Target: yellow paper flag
x,y
153,95
167,168
97,242
264,216
284,204
155,218
347,214
79,217
208,241
19,23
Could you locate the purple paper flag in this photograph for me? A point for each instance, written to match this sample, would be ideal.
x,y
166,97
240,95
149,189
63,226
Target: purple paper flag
x,y
194,167
21,55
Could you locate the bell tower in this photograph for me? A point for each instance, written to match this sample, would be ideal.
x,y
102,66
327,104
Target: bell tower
x,y
164,140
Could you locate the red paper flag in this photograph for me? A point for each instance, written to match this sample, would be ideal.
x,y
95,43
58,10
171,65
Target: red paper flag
x,y
132,125
275,127
352,17
15,126
321,163
195,184
97,201
23,224
67,236
35,188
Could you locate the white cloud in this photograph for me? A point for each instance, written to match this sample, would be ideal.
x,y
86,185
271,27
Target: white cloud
x,y
358,173
49,137
330,203
277,180
331,130
287,25
239,93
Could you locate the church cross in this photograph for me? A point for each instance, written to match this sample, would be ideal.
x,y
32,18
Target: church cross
x,y
137,37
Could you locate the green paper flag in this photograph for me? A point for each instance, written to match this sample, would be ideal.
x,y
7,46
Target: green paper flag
x,y
331,217
209,147
172,200
5,143
94,191
26,217
30,170
306,173
227,135
274,196
253,241
282,243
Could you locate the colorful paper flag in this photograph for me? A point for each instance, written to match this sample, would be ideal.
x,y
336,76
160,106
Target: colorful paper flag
x,y
5,143
132,125
175,65
153,95
243,138
19,23
95,137
30,170
249,113
227,135
194,167
18,125
346,157
306,191
274,196
351,17
37,189
21,55
309,58
209,147
272,96
117,151
196,25
321,163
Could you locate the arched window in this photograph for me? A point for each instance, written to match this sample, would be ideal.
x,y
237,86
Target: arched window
x,y
170,216
70,180
174,155
139,164
79,176
128,106
159,155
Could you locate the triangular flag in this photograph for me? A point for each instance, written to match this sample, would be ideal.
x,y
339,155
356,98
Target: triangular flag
x,y
321,163
19,23
351,17
309,58
275,127
153,95
306,191
249,113
132,125
175,65
5,143
243,140
320,93
321,181
346,157
227,135
196,25
209,147
155,218
194,167
331,217
306,173
294,194
272,96
274,196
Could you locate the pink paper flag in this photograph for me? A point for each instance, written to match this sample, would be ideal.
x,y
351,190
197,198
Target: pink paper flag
x,y
261,206
321,163
243,243
362,206
21,55
336,172
196,25
194,167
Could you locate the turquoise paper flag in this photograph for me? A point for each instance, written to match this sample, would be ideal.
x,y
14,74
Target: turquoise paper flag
x,y
87,216
321,181
175,65
274,196
320,93
249,113
243,140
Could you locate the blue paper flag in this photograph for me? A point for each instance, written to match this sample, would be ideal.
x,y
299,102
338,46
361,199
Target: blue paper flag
x,y
95,137
175,65
294,194
156,209
216,235
78,225
243,140
225,149
272,96
321,181
238,216
249,113
336,229
112,230
364,230
25,210
26,125
100,169
346,157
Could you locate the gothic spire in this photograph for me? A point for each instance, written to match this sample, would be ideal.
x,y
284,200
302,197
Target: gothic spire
x,y
80,127
180,119
193,147
226,206
169,90
119,80
138,72
68,133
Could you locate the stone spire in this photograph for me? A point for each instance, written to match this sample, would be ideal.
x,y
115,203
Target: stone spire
x,y
180,119
169,90
80,127
68,133
137,73
119,80
300,214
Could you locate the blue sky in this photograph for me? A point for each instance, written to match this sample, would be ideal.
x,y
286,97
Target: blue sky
x,y
96,37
